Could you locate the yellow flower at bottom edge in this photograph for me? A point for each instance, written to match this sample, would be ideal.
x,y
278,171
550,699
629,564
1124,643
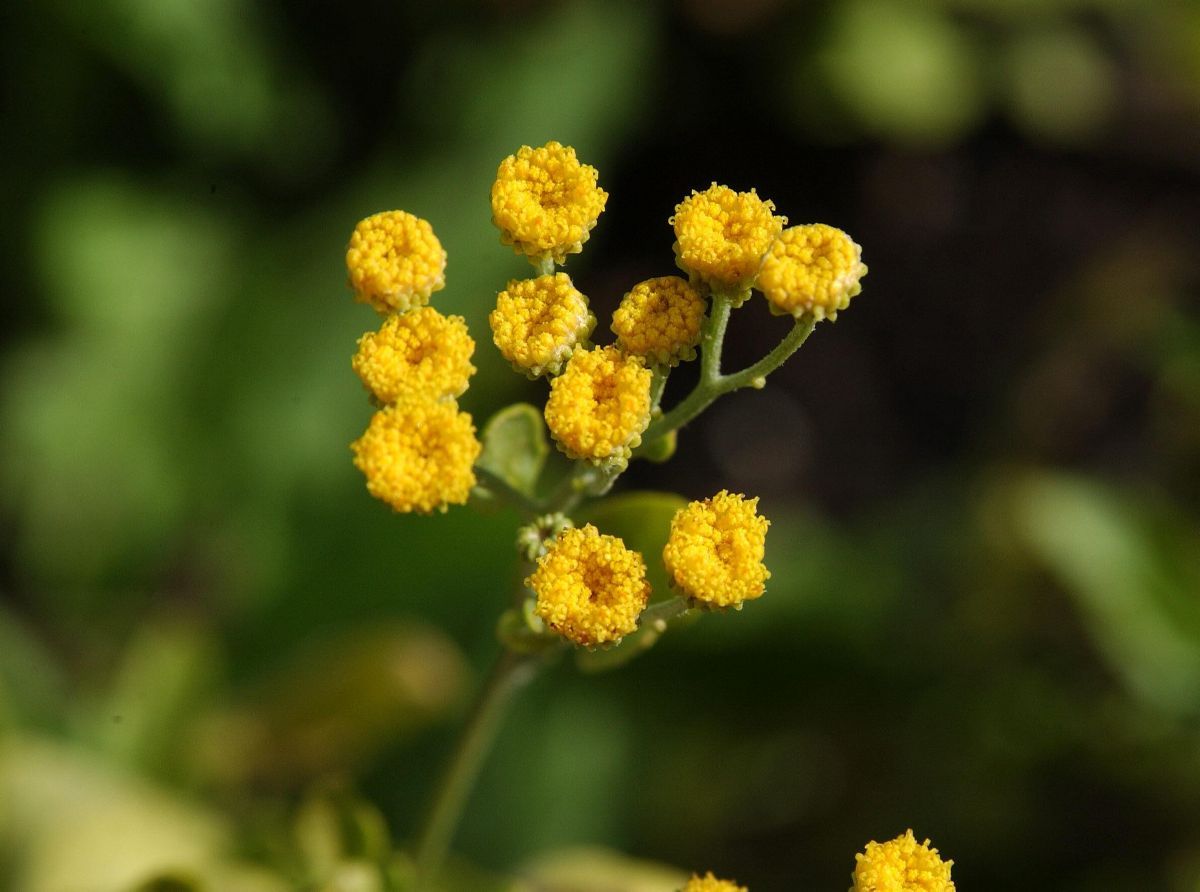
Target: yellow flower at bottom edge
x,y
590,588
659,320
901,865
395,262
722,235
599,406
811,269
421,353
709,883
715,549
538,322
545,202
419,455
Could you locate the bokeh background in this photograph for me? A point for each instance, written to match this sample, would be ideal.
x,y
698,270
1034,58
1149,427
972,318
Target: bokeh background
x,y
223,664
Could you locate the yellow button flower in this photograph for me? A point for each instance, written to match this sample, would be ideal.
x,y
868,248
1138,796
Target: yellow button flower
x,y
538,322
709,883
659,320
395,262
715,550
545,202
421,353
812,269
590,588
901,865
722,235
599,406
418,455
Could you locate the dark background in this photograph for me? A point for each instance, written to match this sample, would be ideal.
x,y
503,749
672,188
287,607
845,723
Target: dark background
x,y
984,618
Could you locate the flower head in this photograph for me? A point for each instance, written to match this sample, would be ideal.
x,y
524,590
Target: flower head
x,y
418,455
722,235
545,202
715,550
395,261
812,269
421,353
599,406
709,883
901,865
659,320
590,588
538,322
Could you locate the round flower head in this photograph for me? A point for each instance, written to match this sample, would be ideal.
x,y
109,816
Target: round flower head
x,y
418,455
422,353
395,262
901,865
599,406
722,235
715,550
590,588
659,320
545,202
538,322
811,269
709,883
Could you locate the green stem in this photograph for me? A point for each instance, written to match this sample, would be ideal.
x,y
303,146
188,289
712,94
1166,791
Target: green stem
x,y
510,673
506,492
651,625
658,383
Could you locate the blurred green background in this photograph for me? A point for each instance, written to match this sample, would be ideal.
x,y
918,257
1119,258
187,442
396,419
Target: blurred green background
x,y
221,662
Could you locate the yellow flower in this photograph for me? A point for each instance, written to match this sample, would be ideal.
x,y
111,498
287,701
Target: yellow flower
x,y
421,353
545,202
659,320
590,588
599,406
538,322
812,269
901,865
418,455
709,883
395,262
715,550
722,235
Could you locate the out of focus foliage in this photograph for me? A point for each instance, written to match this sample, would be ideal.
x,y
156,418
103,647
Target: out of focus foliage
x,y
223,666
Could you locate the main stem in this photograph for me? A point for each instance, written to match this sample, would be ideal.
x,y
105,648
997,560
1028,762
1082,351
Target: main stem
x,y
510,673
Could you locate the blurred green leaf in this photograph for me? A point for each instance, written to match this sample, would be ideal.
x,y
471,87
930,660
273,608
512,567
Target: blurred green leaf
x,y
333,826
588,869
515,446
643,521
32,686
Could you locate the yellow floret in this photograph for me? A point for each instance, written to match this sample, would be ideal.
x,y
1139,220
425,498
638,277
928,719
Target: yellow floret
x,y
545,202
599,406
812,269
659,320
901,865
709,883
590,588
418,455
395,262
421,353
722,235
715,550
538,322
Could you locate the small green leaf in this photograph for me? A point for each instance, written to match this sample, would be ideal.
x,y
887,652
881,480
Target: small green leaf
x,y
642,520
515,446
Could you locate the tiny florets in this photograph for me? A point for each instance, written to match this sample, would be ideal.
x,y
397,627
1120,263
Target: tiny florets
x,y
545,202
709,883
421,353
901,865
590,588
599,406
418,455
538,322
659,320
395,262
722,235
812,269
715,549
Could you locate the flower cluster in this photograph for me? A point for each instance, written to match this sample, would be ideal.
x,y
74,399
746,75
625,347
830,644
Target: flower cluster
x,y
901,865
715,551
660,320
538,322
721,236
709,883
418,452
812,269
